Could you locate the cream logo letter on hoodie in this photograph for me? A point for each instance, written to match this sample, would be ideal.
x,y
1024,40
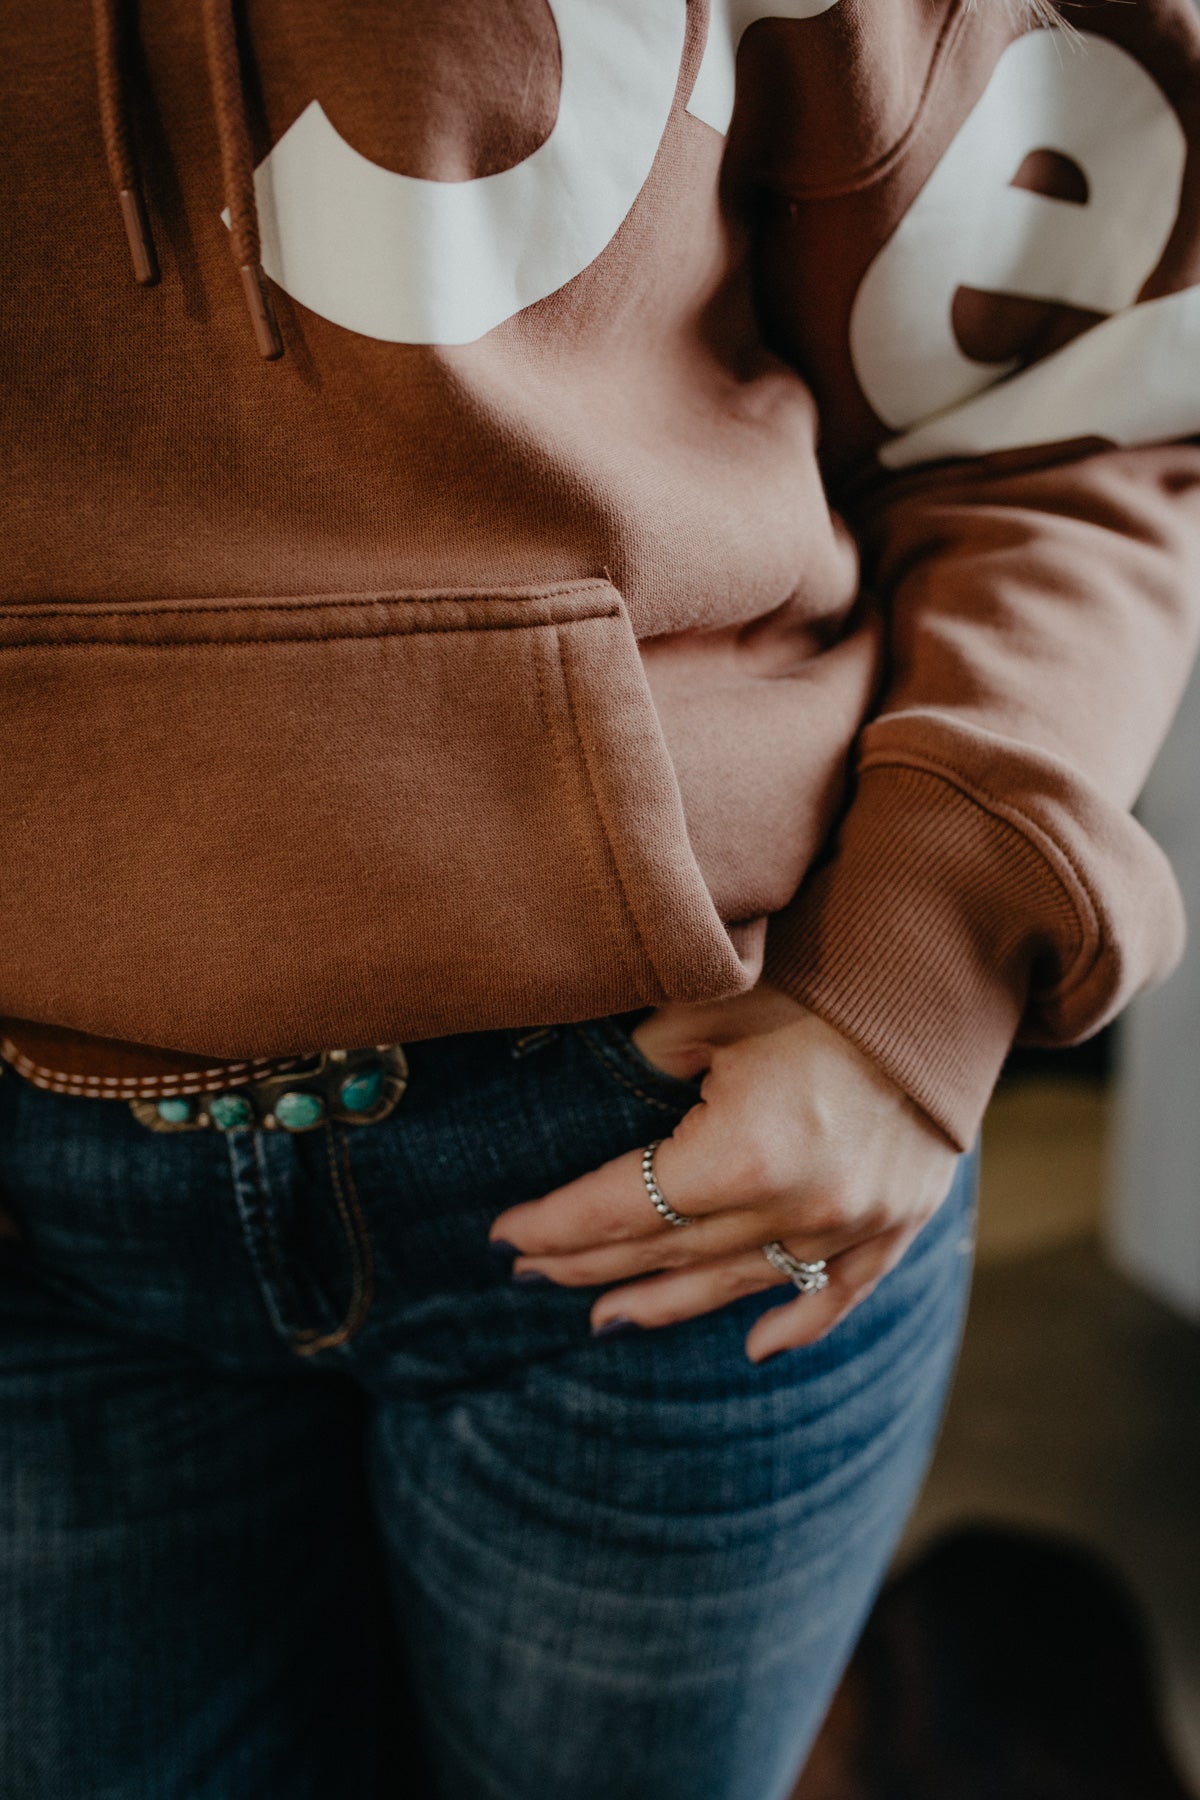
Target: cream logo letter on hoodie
x,y
712,96
442,262
1135,377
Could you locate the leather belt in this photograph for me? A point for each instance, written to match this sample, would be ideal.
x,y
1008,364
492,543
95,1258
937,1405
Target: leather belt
x,y
169,1090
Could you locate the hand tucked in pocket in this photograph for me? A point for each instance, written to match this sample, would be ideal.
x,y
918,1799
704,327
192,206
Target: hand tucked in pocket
x,y
797,1138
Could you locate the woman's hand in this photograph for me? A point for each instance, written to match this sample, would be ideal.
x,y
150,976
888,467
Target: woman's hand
x,y
797,1136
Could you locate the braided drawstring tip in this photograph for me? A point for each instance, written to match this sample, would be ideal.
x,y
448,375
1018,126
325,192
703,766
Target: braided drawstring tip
x,y
137,230
262,313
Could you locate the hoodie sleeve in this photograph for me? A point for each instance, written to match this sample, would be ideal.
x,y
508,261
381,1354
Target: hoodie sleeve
x,y
1033,541
988,880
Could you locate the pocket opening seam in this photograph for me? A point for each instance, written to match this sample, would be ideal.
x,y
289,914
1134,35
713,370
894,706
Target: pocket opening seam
x,y
613,860
143,609
551,721
595,600
617,1075
340,637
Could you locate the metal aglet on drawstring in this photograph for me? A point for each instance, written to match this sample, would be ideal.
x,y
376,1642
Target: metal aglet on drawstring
x,y
237,167
137,231
118,140
237,160
262,313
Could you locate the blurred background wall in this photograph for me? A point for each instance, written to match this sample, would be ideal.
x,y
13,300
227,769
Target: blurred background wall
x,y
1153,1217
1077,1402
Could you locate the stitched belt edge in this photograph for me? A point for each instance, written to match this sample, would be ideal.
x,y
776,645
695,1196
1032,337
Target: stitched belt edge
x,y
177,1085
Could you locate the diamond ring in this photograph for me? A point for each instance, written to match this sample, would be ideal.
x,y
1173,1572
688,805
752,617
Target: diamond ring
x,y
809,1277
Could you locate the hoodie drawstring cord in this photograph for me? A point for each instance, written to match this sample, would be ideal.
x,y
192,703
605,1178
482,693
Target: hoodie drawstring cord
x,y
237,157
237,169
118,139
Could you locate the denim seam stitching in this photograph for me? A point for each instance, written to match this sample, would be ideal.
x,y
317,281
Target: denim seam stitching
x,y
362,1288
617,1074
256,1229
285,1282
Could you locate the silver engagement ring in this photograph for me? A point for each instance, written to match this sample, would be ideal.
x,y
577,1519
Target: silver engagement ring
x,y
809,1277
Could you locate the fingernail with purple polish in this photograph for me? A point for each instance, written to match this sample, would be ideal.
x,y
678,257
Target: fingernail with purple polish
x,y
620,1323
502,1249
530,1278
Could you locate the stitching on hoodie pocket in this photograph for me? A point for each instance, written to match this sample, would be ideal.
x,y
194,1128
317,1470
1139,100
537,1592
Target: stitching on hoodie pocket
x,y
584,761
575,756
396,815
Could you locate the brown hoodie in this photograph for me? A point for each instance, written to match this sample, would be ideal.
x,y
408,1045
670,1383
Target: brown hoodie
x,y
501,654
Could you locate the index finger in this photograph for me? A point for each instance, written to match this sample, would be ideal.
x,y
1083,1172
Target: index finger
x,y
611,1204
607,1205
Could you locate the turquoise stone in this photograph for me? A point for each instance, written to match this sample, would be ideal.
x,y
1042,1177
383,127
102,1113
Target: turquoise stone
x,y
175,1112
228,1111
294,1111
361,1091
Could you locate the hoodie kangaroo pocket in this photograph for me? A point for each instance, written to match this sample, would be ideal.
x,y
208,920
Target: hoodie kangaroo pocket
x,y
251,827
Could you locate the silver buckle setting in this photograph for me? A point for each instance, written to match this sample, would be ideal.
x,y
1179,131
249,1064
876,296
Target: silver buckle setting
x,y
353,1087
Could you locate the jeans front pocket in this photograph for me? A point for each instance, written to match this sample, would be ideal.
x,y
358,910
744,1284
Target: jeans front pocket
x,y
612,1047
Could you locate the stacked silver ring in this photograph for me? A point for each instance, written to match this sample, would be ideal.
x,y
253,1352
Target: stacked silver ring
x,y
809,1277
660,1205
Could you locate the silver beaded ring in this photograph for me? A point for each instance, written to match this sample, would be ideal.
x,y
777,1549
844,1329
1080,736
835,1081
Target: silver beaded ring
x,y
657,1199
808,1277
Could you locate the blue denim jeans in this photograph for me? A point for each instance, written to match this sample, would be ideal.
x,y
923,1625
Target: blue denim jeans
x,y
301,1498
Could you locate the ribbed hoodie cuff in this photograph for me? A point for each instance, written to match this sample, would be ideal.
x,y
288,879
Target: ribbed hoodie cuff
x,y
915,939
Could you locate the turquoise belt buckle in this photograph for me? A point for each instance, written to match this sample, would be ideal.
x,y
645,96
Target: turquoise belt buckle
x,y
347,1087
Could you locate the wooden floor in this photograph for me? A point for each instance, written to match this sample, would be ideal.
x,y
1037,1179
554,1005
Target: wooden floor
x,y
1077,1400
